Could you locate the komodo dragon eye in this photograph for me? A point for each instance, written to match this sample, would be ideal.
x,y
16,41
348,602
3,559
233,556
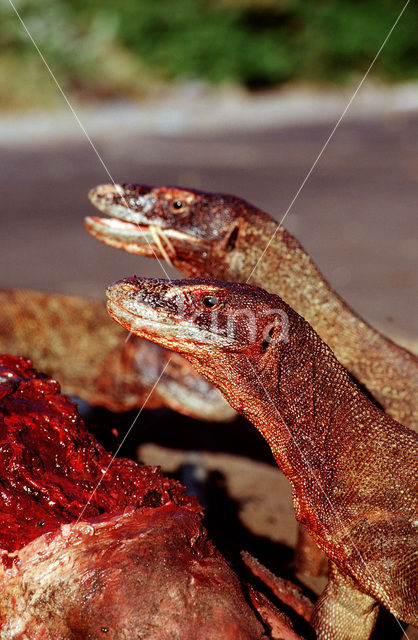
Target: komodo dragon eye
x,y
177,204
210,302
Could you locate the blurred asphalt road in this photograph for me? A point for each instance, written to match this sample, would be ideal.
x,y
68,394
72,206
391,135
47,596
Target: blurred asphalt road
x,y
356,216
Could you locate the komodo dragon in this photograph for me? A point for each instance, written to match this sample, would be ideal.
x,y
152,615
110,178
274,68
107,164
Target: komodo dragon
x,y
352,468
73,340
222,236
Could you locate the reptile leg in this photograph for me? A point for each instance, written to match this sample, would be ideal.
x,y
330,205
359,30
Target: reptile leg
x,y
343,612
309,560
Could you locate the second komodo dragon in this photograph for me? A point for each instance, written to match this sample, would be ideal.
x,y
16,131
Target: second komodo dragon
x,y
352,468
73,340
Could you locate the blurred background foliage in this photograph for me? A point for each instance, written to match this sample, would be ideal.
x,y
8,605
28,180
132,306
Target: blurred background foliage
x,y
106,49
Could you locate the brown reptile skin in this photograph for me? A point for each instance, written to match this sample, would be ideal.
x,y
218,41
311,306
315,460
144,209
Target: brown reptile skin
x,y
73,340
352,468
223,236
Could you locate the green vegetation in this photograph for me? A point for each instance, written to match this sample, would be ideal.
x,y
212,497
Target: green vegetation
x,y
101,48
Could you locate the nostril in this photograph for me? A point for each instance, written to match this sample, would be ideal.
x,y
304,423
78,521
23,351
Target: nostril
x,y
120,289
126,288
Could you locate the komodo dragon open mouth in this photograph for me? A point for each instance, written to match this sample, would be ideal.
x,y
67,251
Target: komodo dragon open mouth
x,y
133,225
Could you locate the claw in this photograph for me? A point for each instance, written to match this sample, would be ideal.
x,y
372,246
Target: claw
x,y
279,623
284,590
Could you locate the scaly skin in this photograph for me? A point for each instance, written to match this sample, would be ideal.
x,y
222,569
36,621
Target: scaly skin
x,y
352,468
223,236
73,340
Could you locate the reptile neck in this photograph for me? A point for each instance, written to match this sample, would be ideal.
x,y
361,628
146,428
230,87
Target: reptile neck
x,y
326,436
296,394
388,372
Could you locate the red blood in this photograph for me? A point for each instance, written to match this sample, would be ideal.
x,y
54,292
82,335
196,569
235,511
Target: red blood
x,y
50,465
137,565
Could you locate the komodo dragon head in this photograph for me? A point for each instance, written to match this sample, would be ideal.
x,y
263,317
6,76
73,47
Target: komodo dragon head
x,y
199,233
